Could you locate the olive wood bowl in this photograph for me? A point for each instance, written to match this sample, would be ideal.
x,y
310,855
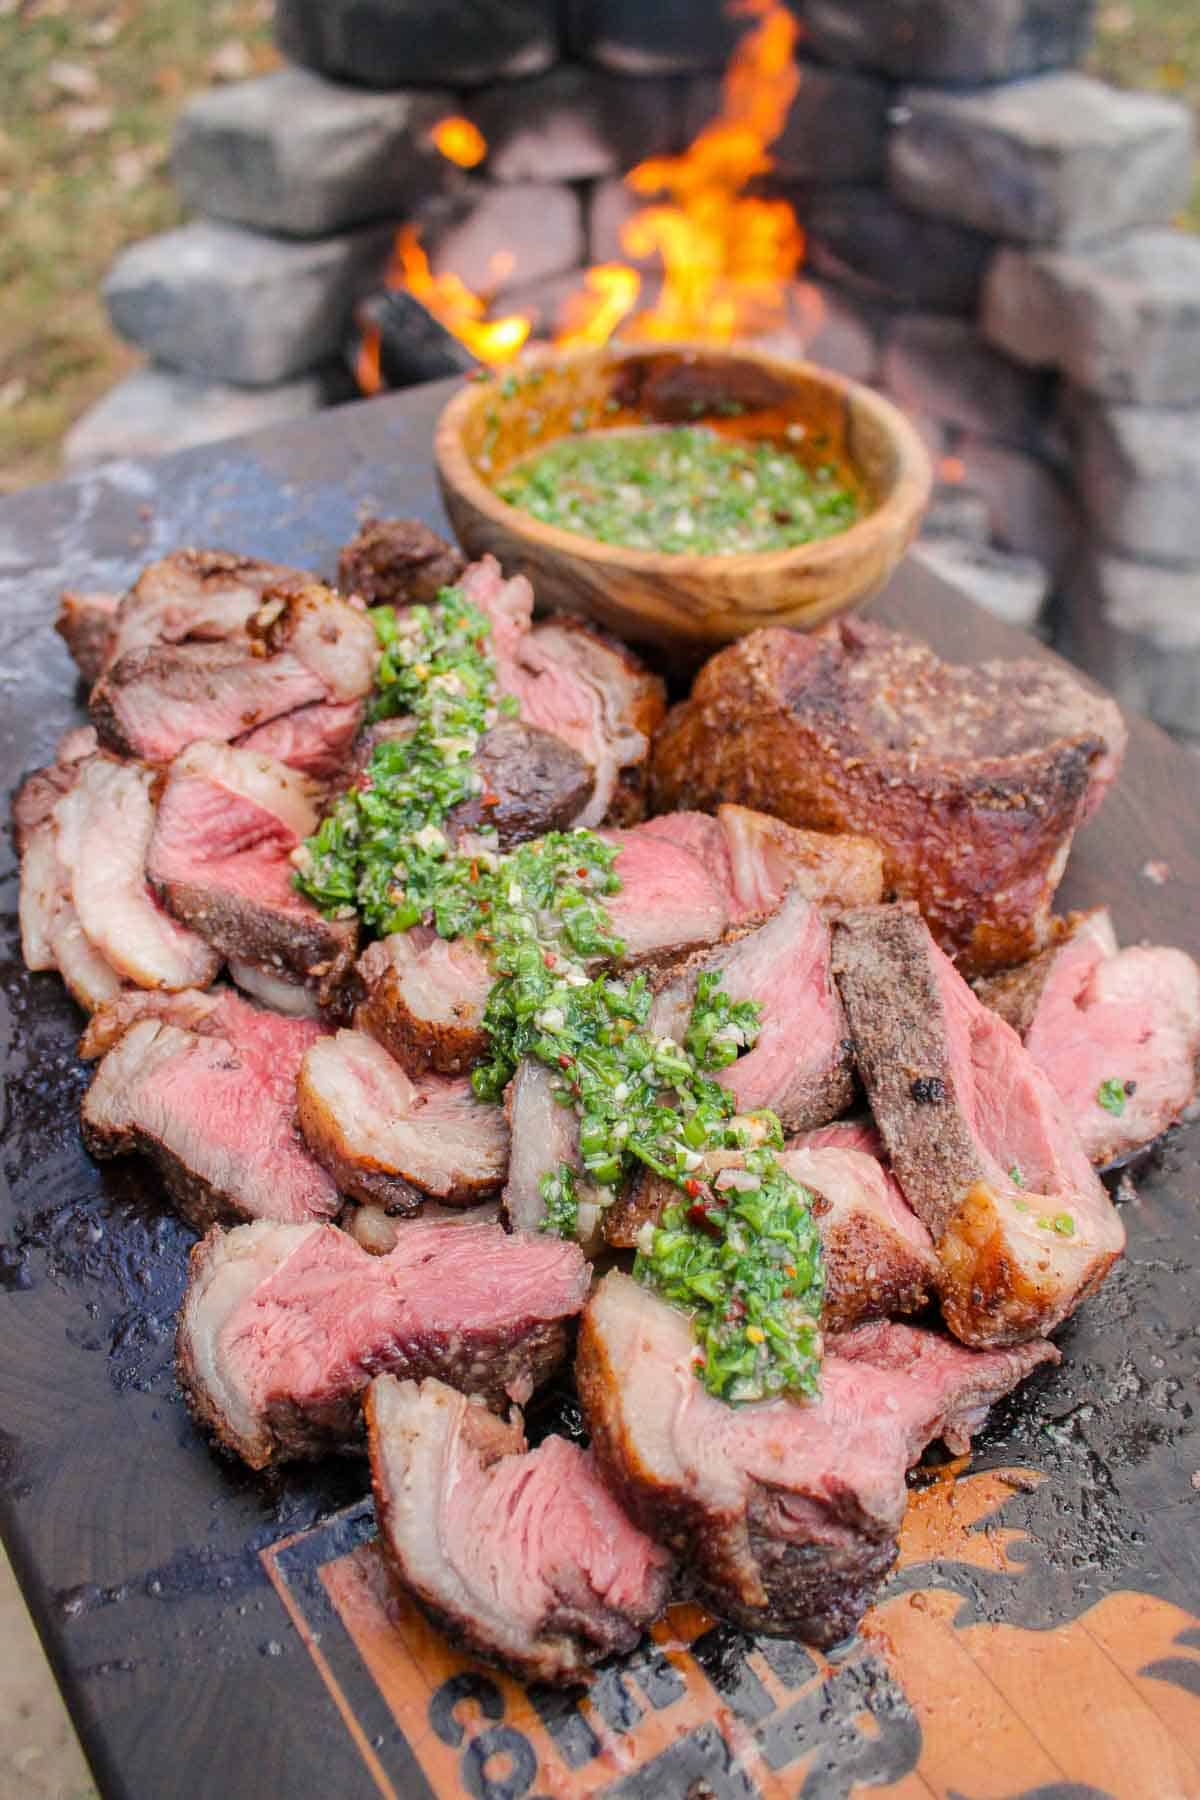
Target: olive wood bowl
x,y
686,602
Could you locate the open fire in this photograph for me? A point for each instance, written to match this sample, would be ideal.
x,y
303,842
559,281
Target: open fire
x,y
727,255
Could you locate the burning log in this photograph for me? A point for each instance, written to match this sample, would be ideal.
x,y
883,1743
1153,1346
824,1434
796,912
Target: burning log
x,y
401,343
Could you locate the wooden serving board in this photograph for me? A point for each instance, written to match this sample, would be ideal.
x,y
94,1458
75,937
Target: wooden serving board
x,y
218,1634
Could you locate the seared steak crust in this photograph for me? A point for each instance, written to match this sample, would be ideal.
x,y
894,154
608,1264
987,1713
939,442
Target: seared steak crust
x,y
979,1140
398,562
85,623
533,783
972,781
424,1000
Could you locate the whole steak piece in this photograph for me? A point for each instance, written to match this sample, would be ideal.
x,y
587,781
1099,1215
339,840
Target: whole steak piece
x,y
979,1140
520,1555
283,1326
784,1515
1117,1031
971,780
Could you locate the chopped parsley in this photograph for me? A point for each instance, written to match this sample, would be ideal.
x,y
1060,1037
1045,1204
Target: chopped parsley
x,y
1015,1175
1111,1095
683,489
746,1260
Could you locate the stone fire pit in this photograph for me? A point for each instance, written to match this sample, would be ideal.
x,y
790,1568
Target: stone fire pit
x,y
988,240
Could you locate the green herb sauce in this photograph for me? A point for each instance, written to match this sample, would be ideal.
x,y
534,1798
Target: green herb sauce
x,y
745,1263
1111,1095
684,489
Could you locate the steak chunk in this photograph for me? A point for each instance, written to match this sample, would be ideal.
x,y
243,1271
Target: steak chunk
x,y
521,1556
800,1066
213,1104
979,1140
104,826
879,1258
220,858
571,681
784,1515
543,1135
303,618
193,596
757,859
668,905
533,783
397,562
1099,1020
971,780
425,999
85,623
154,702
385,1137
51,935
315,740
283,1326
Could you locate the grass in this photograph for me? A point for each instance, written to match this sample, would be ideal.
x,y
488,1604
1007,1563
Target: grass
x,y
89,90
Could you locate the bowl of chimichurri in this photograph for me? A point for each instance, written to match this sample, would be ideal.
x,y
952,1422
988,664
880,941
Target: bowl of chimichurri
x,y
683,495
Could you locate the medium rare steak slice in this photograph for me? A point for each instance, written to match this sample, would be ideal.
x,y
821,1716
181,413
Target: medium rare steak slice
x,y
315,740
283,1326
800,1066
980,1142
214,1106
385,1137
303,618
398,562
51,935
784,1515
971,780
1117,1031
220,858
193,596
544,1135
104,825
668,904
85,623
154,702
757,859
424,1000
879,1258
571,681
521,1556
37,796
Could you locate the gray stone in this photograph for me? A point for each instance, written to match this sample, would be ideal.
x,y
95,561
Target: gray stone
x,y
864,239
827,328
510,235
1138,472
1136,628
296,154
950,40
941,366
156,410
575,123
1055,160
836,128
414,43
957,511
226,304
1014,588
667,37
1121,320
1031,509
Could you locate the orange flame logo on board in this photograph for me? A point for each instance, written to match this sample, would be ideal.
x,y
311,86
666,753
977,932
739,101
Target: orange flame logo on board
x,y
727,255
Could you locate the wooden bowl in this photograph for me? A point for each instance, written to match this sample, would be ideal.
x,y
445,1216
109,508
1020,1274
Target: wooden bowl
x,y
683,601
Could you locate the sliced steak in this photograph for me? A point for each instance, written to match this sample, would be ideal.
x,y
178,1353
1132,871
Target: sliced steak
x,y
193,596
785,1516
315,740
154,702
668,904
425,999
521,1556
283,1326
398,562
220,858
971,780
37,796
981,1144
575,684
214,1107
1101,1021
303,618
105,824
879,1258
212,1012
533,783
385,1137
756,859
543,1135
800,1066
86,623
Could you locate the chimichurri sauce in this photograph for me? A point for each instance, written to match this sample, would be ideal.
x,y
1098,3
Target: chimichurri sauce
x,y
681,490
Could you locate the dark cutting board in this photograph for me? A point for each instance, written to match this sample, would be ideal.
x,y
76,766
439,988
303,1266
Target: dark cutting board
x,y
219,1635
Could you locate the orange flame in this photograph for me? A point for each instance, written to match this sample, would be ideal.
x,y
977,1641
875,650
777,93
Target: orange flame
x,y
727,256
592,315
460,141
